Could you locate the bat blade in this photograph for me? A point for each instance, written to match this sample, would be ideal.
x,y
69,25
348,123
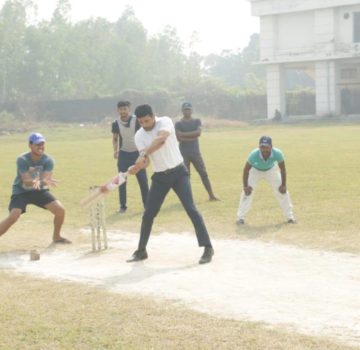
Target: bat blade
x,y
94,196
97,194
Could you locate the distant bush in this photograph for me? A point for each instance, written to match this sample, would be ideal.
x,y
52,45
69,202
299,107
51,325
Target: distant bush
x,y
301,102
8,121
209,97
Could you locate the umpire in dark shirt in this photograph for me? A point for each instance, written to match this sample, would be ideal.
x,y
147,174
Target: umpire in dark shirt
x,y
188,131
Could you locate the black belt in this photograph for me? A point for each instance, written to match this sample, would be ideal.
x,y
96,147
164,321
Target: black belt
x,y
171,170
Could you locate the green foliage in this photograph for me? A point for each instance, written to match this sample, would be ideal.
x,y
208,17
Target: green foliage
x,y
61,60
12,48
7,121
237,68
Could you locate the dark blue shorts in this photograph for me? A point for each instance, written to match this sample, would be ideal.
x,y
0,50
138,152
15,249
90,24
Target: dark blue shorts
x,y
38,198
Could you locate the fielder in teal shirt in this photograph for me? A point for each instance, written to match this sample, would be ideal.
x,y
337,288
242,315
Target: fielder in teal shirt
x,y
257,160
265,163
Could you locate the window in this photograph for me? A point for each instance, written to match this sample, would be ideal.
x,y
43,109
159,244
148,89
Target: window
x,y
356,27
349,73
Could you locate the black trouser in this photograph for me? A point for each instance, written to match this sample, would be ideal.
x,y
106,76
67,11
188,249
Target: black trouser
x,y
199,165
162,182
125,160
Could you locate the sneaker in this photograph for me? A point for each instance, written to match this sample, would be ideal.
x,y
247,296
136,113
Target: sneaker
x,y
122,210
240,222
207,256
138,256
292,221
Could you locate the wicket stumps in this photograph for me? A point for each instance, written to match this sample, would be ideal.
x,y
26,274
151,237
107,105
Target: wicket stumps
x,y
97,223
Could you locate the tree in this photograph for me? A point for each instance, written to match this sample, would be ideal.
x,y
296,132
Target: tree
x,y
235,66
165,58
12,46
129,52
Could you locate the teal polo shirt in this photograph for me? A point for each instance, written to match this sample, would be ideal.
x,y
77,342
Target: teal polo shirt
x,y
257,161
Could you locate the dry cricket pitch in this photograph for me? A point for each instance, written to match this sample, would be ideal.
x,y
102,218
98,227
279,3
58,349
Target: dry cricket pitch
x,y
306,291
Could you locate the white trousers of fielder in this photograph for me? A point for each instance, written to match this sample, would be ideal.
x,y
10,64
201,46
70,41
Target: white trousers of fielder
x,y
273,177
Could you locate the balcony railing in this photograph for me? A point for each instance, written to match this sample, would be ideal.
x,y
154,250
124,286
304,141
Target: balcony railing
x,y
319,51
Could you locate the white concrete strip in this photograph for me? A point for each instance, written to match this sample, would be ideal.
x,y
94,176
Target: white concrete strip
x,y
307,291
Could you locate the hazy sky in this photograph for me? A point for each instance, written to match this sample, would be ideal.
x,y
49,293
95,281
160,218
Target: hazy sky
x,y
220,24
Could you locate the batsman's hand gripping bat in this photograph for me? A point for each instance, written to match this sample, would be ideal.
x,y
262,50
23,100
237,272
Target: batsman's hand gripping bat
x,y
99,192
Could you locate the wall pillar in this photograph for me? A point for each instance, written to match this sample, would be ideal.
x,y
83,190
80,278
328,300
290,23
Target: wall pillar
x,y
327,90
276,90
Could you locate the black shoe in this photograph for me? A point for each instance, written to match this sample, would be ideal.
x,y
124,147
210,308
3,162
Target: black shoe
x,y
240,222
292,221
207,256
138,256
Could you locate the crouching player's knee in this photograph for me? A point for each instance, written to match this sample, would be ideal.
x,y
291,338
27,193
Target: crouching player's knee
x,y
56,208
10,220
14,215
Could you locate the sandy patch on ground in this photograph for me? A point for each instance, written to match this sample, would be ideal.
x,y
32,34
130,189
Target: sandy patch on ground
x,y
307,291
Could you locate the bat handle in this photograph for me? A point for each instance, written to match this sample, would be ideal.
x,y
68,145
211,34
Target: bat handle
x,y
111,186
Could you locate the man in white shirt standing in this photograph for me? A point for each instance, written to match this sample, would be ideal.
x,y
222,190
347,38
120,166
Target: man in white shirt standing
x,y
156,141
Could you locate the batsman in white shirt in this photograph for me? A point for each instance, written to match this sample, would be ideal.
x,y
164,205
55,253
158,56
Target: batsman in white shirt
x,y
157,142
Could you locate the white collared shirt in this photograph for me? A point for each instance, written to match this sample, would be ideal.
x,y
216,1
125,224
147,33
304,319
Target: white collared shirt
x,y
166,157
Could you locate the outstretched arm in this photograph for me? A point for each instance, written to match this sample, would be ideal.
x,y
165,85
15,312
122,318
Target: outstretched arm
x,y
247,189
157,143
282,188
143,160
141,163
40,182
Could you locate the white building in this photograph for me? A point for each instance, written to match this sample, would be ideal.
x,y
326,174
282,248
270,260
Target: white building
x,y
322,37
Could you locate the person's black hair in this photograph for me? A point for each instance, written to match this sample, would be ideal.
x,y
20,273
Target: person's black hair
x,y
143,111
123,104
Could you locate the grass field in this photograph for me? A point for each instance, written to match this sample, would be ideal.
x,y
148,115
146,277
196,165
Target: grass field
x,y
322,170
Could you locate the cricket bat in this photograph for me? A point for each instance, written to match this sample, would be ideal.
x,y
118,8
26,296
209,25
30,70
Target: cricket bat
x,y
101,191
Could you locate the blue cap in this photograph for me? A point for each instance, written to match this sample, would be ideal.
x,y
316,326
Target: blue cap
x,y
186,105
36,138
265,141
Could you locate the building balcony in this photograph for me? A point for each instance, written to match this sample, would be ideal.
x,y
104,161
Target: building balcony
x,y
316,52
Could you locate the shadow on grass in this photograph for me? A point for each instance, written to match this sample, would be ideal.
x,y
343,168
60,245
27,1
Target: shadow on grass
x,y
8,255
140,272
165,209
116,216
250,231
18,254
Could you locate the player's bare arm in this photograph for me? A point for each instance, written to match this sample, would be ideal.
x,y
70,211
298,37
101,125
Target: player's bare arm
x,y
188,135
28,180
47,179
115,143
282,188
247,189
44,181
141,163
158,142
143,160
38,183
